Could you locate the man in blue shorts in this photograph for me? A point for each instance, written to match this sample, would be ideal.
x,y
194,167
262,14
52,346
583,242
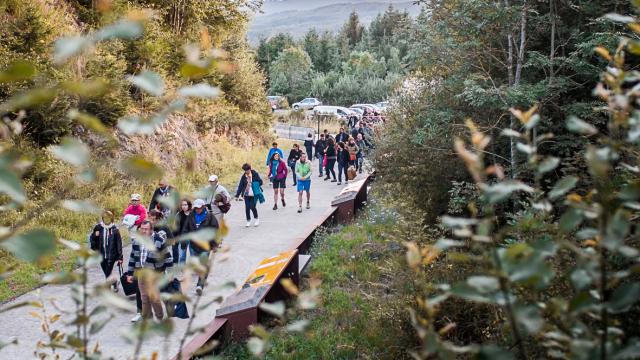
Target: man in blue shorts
x,y
303,173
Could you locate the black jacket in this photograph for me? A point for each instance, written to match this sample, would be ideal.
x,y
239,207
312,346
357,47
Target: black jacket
x,y
181,218
308,145
156,196
208,222
242,184
342,137
107,241
330,151
320,145
343,156
294,155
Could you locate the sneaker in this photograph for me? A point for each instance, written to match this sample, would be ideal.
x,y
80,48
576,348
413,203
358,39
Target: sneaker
x,y
257,222
325,179
275,206
346,182
137,318
320,175
283,203
114,287
248,223
308,206
199,290
300,209
339,183
334,180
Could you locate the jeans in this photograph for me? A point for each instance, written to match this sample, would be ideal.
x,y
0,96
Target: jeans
x,y
342,169
175,253
182,258
309,152
320,157
293,173
250,207
196,251
329,168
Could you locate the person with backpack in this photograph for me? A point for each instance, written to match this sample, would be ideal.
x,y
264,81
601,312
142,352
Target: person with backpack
x,y
278,174
136,209
320,146
200,218
157,259
294,156
250,188
105,239
331,154
220,201
303,173
308,145
343,163
163,190
181,218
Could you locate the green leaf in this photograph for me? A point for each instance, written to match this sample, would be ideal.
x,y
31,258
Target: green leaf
x,y
86,89
192,71
563,186
484,284
581,302
124,29
81,206
624,297
97,325
32,245
71,151
571,219
502,191
17,71
533,121
617,229
529,318
67,47
619,18
199,90
11,186
132,125
298,325
580,126
256,345
148,81
548,164
276,308
632,350
444,244
141,168
28,99
493,352
88,121
580,278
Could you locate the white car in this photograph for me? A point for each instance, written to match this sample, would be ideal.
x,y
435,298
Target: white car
x,y
306,104
338,111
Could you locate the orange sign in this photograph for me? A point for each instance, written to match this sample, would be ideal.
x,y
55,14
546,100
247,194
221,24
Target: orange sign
x,y
269,269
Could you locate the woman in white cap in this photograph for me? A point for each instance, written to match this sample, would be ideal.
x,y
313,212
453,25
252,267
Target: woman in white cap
x,y
135,208
219,200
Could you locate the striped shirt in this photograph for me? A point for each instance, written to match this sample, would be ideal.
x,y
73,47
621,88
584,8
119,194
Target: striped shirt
x,y
158,259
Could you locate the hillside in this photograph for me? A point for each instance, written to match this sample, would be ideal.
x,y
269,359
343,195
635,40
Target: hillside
x,y
297,17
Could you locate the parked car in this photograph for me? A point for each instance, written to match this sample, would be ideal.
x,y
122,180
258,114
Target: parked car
x,y
306,104
358,110
278,102
338,111
382,105
369,107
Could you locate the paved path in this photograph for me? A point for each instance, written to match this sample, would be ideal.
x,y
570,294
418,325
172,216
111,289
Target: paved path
x,y
248,247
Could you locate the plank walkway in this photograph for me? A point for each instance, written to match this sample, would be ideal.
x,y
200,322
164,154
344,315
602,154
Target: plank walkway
x,y
248,246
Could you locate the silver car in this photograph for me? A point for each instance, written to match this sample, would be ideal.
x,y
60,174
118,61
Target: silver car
x,y
306,104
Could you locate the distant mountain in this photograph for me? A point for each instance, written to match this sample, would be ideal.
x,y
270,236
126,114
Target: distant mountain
x,y
296,17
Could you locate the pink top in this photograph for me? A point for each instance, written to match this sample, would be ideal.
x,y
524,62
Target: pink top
x,y
139,210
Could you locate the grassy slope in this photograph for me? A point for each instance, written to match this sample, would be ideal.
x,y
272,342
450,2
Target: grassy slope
x,y
365,292
74,226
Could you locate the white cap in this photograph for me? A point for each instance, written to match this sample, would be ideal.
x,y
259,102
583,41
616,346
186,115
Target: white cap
x,y
198,203
213,178
136,197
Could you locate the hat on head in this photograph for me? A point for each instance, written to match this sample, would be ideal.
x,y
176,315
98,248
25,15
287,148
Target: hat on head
x,y
136,197
213,178
198,203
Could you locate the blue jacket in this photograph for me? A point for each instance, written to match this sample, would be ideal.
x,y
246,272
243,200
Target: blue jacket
x,y
271,151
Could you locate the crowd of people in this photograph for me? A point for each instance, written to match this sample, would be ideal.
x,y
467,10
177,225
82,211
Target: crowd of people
x,y
346,149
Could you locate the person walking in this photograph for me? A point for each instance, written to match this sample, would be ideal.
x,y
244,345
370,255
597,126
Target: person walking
x,y
106,240
220,201
200,218
163,190
342,136
308,145
157,219
157,259
181,219
330,153
250,188
360,154
343,162
278,174
352,148
303,173
320,146
136,209
294,156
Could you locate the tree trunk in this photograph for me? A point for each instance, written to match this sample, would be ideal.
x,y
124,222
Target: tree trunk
x,y
552,51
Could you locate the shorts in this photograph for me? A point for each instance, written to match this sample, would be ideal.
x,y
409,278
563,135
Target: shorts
x,y
304,185
279,183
